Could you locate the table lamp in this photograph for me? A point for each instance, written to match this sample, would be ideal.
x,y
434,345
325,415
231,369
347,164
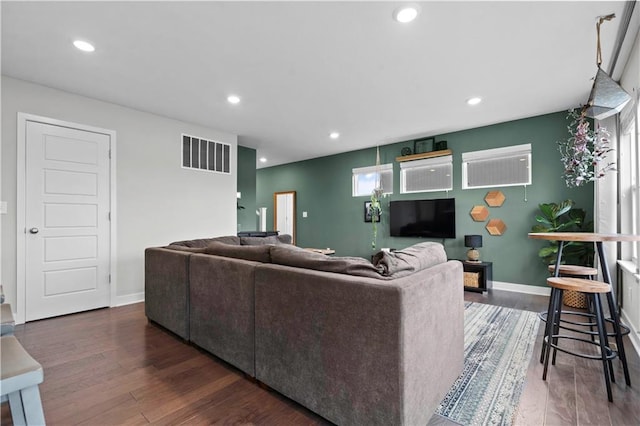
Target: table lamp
x,y
473,241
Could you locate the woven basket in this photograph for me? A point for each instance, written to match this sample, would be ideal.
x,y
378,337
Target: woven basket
x,y
472,279
574,299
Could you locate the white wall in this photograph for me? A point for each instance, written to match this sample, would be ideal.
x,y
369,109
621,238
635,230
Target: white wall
x,y
157,201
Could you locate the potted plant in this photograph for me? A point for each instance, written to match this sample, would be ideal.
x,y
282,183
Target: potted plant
x,y
565,217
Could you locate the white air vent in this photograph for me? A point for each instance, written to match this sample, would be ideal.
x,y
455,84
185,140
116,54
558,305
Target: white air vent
x,y
428,175
507,166
204,154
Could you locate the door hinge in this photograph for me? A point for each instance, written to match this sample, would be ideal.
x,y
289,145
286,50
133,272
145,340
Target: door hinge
x,y
109,215
109,153
109,278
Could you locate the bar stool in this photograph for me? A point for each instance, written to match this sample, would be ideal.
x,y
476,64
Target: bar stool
x,y
573,271
593,290
20,376
619,329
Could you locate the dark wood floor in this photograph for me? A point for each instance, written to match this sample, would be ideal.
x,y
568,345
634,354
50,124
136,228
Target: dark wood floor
x,y
111,366
574,392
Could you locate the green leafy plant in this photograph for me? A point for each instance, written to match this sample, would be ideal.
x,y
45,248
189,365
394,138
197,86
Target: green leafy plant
x,y
564,217
584,152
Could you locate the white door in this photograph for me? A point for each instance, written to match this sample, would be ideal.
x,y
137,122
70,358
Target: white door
x,y
67,243
285,213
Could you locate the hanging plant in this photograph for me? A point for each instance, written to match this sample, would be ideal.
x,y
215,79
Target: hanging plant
x,y
584,153
375,210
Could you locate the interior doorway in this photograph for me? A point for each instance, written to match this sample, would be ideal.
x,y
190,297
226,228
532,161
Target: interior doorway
x,y
65,214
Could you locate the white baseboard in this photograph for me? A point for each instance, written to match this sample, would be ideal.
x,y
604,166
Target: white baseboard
x,y
521,288
129,299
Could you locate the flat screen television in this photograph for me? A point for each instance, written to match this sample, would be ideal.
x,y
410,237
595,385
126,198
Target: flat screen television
x,y
423,218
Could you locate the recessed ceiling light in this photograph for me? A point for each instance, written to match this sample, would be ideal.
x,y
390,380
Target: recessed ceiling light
x,y
474,101
263,160
233,99
84,46
406,14
334,135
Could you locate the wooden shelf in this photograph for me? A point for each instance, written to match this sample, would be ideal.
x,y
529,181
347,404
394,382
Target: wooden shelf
x,y
424,155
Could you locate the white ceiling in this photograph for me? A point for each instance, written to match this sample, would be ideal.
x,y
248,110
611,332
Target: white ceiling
x,y
305,69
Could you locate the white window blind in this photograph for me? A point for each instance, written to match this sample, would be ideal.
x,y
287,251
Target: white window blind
x,y
508,166
365,179
428,175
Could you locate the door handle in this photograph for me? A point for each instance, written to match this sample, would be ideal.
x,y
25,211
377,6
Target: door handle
x,y
34,230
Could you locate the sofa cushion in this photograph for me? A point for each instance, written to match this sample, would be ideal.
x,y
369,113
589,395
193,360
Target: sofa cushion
x,y
204,242
285,239
187,249
300,258
403,262
256,253
259,241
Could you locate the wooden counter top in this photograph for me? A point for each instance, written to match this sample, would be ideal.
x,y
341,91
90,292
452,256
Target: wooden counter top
x,y
582,236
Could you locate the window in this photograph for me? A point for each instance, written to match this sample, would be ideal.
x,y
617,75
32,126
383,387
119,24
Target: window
x,y
203,154
629,171
508,166
428,175
366,178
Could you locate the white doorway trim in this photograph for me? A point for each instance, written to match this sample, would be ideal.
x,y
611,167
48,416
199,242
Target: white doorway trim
x,y
23,118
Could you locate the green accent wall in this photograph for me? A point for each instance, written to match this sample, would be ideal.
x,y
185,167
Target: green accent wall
x,y
247,187
335,218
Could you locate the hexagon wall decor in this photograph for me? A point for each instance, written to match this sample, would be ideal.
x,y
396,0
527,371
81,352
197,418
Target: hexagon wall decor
x,y
494,198
479,213
496,227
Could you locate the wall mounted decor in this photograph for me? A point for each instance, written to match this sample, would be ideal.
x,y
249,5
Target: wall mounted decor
x,y
479,213
494,198
423,145
440,145
496,227
406,151
370,214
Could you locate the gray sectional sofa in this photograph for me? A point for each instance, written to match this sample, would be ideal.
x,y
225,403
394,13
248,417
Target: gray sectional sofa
x,y
357,342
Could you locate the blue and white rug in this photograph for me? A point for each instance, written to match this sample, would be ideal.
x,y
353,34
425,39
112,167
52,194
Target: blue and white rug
x,y
498,344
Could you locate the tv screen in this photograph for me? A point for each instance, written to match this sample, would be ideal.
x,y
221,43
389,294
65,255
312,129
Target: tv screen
x,y
423,218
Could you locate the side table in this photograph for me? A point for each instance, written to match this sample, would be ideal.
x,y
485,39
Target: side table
x,y
478,276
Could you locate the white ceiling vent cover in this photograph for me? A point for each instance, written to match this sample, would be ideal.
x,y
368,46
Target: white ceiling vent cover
x,y
428,175
508,166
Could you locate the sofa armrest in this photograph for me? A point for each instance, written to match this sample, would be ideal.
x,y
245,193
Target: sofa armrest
x,y
360,350
166,289
433,339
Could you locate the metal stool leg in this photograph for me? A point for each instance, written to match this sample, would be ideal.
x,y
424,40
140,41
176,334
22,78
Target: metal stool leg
x,y
602,334
551,320
547,325
618,334
556,324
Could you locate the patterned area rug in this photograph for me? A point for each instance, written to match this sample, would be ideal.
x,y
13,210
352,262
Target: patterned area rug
x,y
498,344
